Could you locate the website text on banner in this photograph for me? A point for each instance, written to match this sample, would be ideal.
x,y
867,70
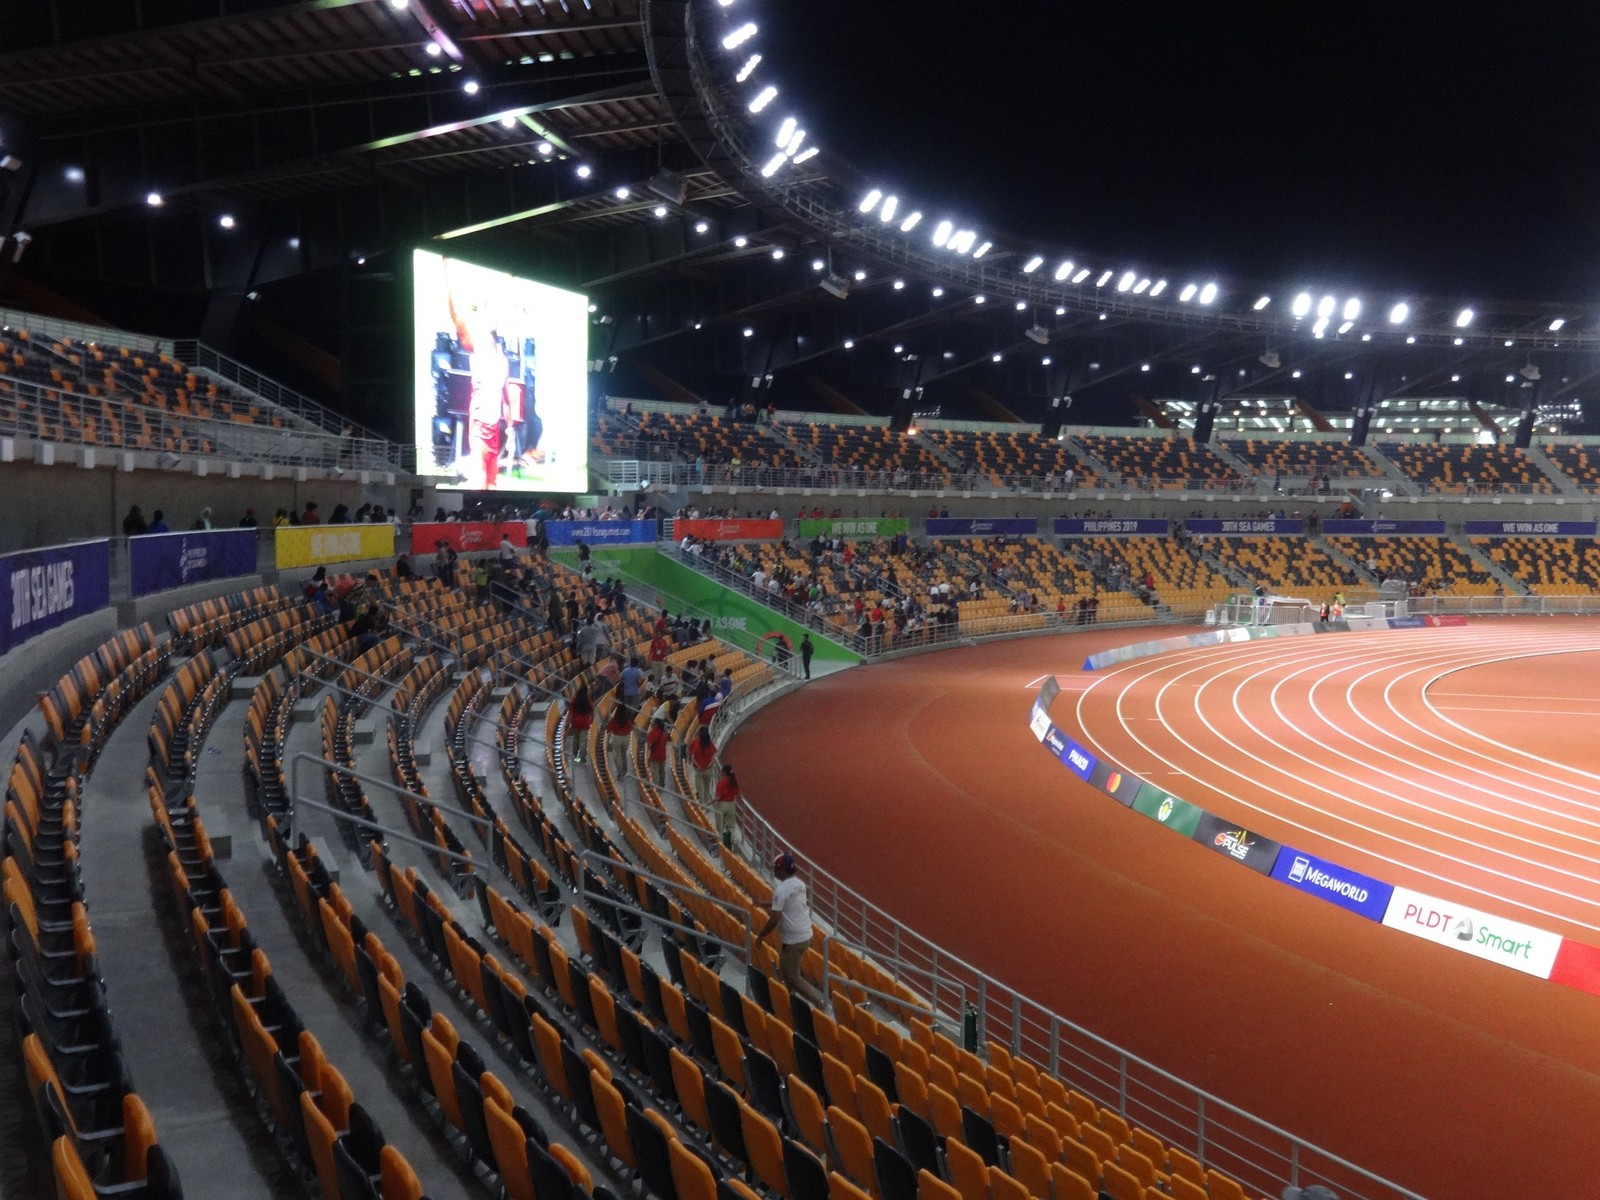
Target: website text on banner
x,y
465,537
729,531
158,562
1109,526
49,587
853,527
967,527
312,545
599,533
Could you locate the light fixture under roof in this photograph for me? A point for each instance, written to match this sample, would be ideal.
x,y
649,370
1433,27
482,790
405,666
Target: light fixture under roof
x,y
887,211
1399,314
1464,318
1159,287
1080,275
750,64
869,201
1105,278
1555,325
1063,271
1352,309
983,249
1301,305
911,222
942,232
763,98
1208,293
1188,293
1261,303
739,36
1033,264
1125,281
807,155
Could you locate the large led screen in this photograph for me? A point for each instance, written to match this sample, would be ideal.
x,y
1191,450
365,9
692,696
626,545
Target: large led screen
x,y
502,386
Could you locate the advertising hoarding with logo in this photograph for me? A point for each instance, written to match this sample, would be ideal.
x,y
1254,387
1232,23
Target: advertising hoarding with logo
x,y
1175,814
159,561
1244,526
1329,881
317,545
1494,939
1114,782
1583,529
854,527
47,588
1235,842
1109,526
966,527
465,537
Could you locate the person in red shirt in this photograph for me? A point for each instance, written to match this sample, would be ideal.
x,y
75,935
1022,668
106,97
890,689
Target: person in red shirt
x,y
660,647
726,806
703,764
656,741
580,719
619,730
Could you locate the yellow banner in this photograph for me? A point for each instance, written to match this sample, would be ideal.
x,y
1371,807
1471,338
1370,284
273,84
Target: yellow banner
x,y
313,545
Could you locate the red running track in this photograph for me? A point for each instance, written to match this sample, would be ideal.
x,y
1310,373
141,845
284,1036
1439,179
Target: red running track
x,y
1420,757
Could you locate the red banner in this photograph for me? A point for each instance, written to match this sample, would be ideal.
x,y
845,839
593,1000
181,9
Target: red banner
x,y
466,536
729,531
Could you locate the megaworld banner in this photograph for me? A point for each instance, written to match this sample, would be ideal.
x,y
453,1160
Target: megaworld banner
x,y
47,588
599,533
965,527
1108,526
466,536
158,562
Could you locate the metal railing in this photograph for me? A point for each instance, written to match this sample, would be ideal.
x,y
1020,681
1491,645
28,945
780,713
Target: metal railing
x,y
77,331
50,414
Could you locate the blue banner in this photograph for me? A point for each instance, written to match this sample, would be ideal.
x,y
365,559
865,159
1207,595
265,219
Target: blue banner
x,y
1583,529
965,527
1333,883
159,562
1109,526
600,533
1337,528
1237,526
47,588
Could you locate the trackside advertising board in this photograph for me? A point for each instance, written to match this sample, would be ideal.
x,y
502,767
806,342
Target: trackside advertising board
x,y
160,561
1329,881
1239,844
47,588
1175,814
317,545
1494,939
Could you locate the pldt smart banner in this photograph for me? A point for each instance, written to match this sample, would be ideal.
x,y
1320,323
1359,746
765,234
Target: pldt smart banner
x,y
48,588
159,562
1329,881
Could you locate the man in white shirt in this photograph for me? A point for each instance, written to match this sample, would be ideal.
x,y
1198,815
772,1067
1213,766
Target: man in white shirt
x,y
791,917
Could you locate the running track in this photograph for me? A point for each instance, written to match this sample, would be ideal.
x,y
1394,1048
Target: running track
x,y
1457,762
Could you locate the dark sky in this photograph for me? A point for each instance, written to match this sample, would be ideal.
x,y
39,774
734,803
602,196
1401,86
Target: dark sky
x,y
1410,145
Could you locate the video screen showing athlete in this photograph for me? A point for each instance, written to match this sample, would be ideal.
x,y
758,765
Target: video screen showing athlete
x,y
501,388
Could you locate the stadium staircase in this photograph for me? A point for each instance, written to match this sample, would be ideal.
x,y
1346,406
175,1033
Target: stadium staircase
x,y
1102,472
779,432
1394,478
1563,484
1513,586
1241,468
1357,571
944,455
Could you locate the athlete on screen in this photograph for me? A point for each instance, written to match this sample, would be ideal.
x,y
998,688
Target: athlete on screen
x,y
489,372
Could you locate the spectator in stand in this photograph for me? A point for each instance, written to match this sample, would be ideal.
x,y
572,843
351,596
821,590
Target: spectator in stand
x,y
555,612
508,552
725,684
609,669
158,523
134,523
310,516
725,806
619,729
280,519
656,746
703,764
480,581
341,515
580,719
791,917
806,651
660,648
402,567
248,520
632,682
203,521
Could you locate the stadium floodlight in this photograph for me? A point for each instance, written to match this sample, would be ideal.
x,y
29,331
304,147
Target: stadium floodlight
x,y
1063,270
983,249
817,264
660,210
795,140
869,201
890,204
1160,286
785,132
1208,293
621,193
1320,328
1080,275
938,293
1188,293
774,164
1352,309
1325,306
860,276
470,87
741,241
942,232
1033,264
980,298
226,221
911,222
1399,313
739,36
1105,278
1346,326
750,64
1126,281
1263,302
962,242
508,120
807,154
585,170
849,343
433,49
1060,311
154,199
1464,318
763,98
748,332
777,254
899,285
1301,306
1022,306
1142,286
996,357
1556,325
702,227
545,150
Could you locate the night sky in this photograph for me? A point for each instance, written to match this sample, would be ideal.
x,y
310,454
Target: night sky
x,y
1451,149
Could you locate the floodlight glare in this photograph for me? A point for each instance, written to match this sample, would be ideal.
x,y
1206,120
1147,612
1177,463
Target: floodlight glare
x,y
1208,293
1352,309
963,241
773,164
938,292
750,64
1346,326
996,357
1081,274
1064,270
1142,286
1320,328
1557,324
1301,305
899,285
546,149
785,132
226,221
763,98
807,154
860,276
1160,286
849,343
817,264
983,249
1022,305
1033,264
1125,281
741,241
911,222
777,253
1188,293
508,120
621,193
942,232
1060,312
869,201
1399,313
584,170
1261,303
980,299
1325,306
154,199
1464,318
886,213
739,36
1105,278
470,87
